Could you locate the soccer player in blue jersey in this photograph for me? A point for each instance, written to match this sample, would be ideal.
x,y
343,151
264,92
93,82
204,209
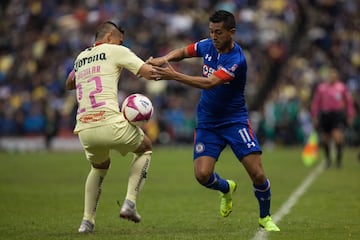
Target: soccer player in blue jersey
x,y
222,113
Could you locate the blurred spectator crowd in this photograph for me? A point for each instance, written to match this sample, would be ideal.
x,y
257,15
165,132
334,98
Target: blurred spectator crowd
x,y
301,38
331,38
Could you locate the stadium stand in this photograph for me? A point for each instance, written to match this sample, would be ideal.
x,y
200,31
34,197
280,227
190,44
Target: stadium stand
x,y
288,44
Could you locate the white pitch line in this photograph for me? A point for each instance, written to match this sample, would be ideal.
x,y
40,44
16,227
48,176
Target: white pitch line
x,y
286,207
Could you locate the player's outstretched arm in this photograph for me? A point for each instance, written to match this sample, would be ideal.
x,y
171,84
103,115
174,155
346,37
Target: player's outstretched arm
x,y
173,56
168,73
146,71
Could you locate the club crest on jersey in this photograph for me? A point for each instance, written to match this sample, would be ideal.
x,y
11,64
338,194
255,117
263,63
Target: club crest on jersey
x,y
199,148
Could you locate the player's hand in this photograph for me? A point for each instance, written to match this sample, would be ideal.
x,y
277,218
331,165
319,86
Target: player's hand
x,y
156,61
163,73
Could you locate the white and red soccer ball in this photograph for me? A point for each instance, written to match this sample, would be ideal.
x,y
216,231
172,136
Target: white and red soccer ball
x,y
137,108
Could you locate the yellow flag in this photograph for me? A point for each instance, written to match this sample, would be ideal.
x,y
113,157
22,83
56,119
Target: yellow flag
x,y
310,152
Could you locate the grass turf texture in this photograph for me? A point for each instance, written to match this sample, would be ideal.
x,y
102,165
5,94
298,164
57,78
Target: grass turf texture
x,y
42,198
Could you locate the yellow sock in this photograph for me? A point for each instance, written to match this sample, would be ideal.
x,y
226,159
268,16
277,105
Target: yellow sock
x,y
138,171
92,192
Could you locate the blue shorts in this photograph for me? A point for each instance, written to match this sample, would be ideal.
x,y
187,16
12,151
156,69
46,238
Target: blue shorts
x,y
239,136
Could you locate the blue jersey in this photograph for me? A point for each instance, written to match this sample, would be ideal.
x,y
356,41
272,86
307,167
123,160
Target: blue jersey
x,y
224,103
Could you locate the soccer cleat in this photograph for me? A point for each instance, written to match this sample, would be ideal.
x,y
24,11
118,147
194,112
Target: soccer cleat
x,y
128,211
86,227
268,224
226,199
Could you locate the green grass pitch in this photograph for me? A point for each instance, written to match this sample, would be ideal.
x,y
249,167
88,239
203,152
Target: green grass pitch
x,y
41,197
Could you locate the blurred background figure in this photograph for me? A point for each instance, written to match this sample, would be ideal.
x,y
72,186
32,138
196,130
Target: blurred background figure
x,y
332,110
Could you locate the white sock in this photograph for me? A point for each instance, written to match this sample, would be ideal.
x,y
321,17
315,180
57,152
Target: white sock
x,y
92,192
138,172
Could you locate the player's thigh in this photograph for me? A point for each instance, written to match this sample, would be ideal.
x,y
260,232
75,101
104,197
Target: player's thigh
x,y
95,144
121,136
241,139
208,143
128,138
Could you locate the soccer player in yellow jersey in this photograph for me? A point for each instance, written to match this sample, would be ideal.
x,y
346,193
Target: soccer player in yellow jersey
x,y
99,123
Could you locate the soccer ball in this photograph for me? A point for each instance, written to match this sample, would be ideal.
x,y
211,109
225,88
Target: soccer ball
x,y
137,109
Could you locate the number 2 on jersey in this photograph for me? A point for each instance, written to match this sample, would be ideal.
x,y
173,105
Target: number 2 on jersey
x,y
98,89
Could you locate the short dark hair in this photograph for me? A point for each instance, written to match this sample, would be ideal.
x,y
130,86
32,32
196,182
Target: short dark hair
x,y
223,16
116,26
105,28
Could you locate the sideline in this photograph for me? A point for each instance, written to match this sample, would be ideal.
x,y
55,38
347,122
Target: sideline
x,y
40,143
292,200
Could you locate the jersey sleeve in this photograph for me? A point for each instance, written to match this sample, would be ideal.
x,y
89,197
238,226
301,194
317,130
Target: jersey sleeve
x,y
196,49
128,59
224,74
191,50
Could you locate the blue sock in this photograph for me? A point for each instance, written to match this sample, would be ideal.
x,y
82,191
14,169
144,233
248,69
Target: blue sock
x,y
217,183
263,195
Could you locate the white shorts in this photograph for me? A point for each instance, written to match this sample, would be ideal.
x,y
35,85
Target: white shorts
x,y
121,136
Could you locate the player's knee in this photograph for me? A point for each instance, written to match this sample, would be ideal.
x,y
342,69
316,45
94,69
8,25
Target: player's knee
x,y
148,144
103,165
258,177
145,146
202,177
338,136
